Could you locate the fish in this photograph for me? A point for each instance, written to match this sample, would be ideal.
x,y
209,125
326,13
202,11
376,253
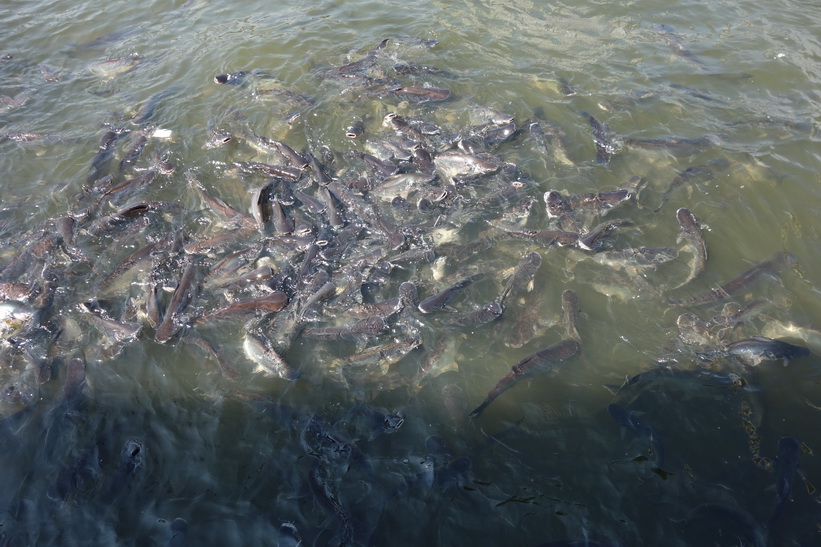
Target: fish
x,y
268,361
570,314
757,349
691,232
288,536
691,175
786,467
370,326
605,139
374,361
544,361
269,303
147,111
632,258
773,264
441,300
677,44
522,277
182,296
631,421
132,461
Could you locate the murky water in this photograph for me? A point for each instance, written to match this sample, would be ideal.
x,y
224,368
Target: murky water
x,y
167,442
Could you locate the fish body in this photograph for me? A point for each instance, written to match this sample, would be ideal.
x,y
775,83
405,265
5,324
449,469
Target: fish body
x,y
757,349
543,361
634,424
777,261
786,466
441,300
691,231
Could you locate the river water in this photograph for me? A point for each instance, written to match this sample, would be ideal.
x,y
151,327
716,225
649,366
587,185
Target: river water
x,y
711,106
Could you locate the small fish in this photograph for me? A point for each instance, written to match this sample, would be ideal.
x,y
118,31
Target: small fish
x,y
691,231
605,139
757,349
489,312
541,362
691,175
441,300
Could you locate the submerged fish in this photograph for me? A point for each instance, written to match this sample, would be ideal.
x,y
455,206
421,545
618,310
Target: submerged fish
x,y
632,422
776,262
786,466
541,362
757,349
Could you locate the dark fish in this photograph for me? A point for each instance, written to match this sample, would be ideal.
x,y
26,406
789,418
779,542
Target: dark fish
x,y
786,467
442,299
146,112
370,326
547,237
489,312
354,129
633,423
570,314
234,78
757,349
277,171
182,296
643,257
775,263
691,231
592,239
178,533
596,203
227,368
677,44
266,304
132,460
522,277
418,94
288,536
678,146
132,155
541,362
101,164
604,138
691,175
526,319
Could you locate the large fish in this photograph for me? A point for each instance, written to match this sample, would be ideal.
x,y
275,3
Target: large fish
x,y
754,350
776,262
541,362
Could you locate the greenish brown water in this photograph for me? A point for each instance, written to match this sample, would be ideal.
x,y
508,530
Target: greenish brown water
x,y
236,458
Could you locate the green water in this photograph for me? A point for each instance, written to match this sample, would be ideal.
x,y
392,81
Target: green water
x,y
746,75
